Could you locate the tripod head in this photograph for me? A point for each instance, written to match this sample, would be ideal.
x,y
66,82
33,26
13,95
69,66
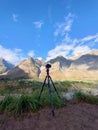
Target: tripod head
x,y
47,68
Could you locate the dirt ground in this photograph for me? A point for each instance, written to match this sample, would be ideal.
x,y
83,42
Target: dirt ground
x,y
74,116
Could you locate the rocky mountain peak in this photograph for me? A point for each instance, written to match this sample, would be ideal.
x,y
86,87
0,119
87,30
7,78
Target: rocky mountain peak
x,y
85,67
62,61
5,65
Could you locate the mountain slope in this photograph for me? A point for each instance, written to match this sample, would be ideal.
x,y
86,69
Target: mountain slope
x,y
5,65
62,61
83,68
88,61
26,69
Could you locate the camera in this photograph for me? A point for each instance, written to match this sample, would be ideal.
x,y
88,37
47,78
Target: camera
x,y
48,66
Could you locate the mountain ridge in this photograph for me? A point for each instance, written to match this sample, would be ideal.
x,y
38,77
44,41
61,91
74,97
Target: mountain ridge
x,y
83,68
5,65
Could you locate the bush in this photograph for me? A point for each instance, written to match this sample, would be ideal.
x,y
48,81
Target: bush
x,y
4,104
25,103
45,100
19,105
79,96
4,91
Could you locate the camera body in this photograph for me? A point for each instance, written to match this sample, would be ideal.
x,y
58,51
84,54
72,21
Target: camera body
x,y
48,66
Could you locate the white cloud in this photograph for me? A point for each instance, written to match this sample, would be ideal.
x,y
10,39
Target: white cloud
x,y
63,50
62,28
96,40
15,17
31,53
81,50
13,56
38,24
74,47
88,38
69,21
40,58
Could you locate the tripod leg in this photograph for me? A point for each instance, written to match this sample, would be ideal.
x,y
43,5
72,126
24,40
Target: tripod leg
x,y
42,88
50,92
54,87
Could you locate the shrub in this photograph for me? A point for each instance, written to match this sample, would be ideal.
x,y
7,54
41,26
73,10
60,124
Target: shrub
x,y
4,91
4,104
19,105
79,96
25,103
28,103
45,100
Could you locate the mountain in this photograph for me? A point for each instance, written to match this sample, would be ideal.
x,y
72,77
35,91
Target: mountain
x,y
88,61
39,63
28,68
58,64
83,68
92,52
5,65
62,61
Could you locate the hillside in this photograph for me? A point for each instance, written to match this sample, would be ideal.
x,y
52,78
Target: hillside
x,y
27,69
5,65
85,67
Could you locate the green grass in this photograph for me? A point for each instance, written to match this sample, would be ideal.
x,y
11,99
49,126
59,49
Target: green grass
x,y
19,86
25,103
79,96
4,104
45,100
28,103
24,85
4,91
19,105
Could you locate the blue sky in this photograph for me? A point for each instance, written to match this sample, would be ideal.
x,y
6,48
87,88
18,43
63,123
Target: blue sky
x,y
47,28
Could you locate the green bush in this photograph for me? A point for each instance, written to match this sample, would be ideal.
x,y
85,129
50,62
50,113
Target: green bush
x,y
79,96
45,100
19,105
5,103
28,103
4,91
25,103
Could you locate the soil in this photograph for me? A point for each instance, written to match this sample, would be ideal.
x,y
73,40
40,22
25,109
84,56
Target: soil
x,y
74,116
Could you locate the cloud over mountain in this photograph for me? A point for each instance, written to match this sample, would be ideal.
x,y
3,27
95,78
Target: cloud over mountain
x,y
75,47
12,55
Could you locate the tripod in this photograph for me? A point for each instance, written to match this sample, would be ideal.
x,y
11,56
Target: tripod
x,y
49,79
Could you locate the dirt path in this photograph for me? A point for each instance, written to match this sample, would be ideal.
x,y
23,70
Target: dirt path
x,y
81,116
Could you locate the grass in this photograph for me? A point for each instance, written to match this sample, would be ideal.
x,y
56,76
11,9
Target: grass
x,y
4,104
79,96
24,85
25,103
28,102
19,105
45,100
4,91
18,86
